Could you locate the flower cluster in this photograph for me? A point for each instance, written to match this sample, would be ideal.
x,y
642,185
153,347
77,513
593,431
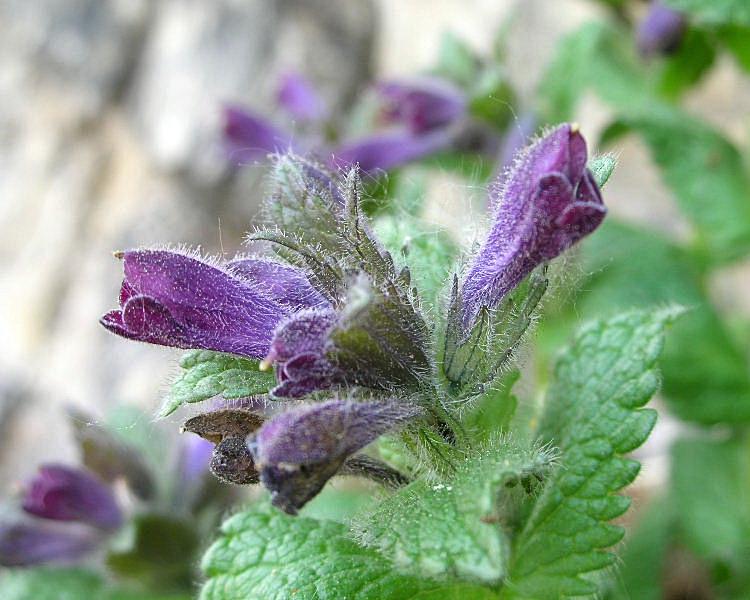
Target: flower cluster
x,y
421,117
69,512
345,328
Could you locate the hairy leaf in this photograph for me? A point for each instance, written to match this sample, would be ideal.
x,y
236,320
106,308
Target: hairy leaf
x,y
453,528
266,555
593,413
208,374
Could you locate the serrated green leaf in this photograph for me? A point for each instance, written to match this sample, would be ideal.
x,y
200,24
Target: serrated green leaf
x,y
602,168
593,413
729,12
452,528
631,268
208,374
266,555
429,254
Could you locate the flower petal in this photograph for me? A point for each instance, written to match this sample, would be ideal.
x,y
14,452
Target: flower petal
x,y
66,494
249,137
298,97
297,451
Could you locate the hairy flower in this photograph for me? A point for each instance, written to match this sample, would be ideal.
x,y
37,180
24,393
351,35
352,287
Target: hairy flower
x,y
284,284
546,202
299,450
422,104
68,494
661,30
299,351
27,544
172,299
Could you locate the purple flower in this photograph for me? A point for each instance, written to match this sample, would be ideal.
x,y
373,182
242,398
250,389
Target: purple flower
x,y
249,137
661,31
172,299
298,97
516,139
422,104
284,284
299,351
299,450
26,544
546,203
389,150
67,494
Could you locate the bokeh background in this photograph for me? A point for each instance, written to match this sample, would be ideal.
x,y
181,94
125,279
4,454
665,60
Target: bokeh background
x,y
110,139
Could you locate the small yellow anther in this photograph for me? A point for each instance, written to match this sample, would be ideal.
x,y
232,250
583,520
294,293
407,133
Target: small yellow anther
x,y
118,254
574,127
264,365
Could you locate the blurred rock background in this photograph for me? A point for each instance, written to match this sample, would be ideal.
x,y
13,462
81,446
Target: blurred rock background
x,y
109,122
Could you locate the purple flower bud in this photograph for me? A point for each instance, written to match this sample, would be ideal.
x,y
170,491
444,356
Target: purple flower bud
x,y
282,283
661,31
248,136
298,97
389,150
422,104
172,299
67,494
546,202
516,139
298,451
299,351
26,544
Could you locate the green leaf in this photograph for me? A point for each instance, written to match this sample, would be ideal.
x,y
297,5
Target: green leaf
x,y
451,528
737,41
636,269
52,583
492,98
683,69
162,554
493,410
644,555
731,12
47,583
706,174
429,254
602,168
266,555
594,414
208,374
456,60
711,498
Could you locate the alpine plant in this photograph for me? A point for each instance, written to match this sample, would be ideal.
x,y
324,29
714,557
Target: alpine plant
x,y
326,333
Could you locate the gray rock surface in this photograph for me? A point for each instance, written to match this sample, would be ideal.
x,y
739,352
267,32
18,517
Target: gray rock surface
x,y
109,123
